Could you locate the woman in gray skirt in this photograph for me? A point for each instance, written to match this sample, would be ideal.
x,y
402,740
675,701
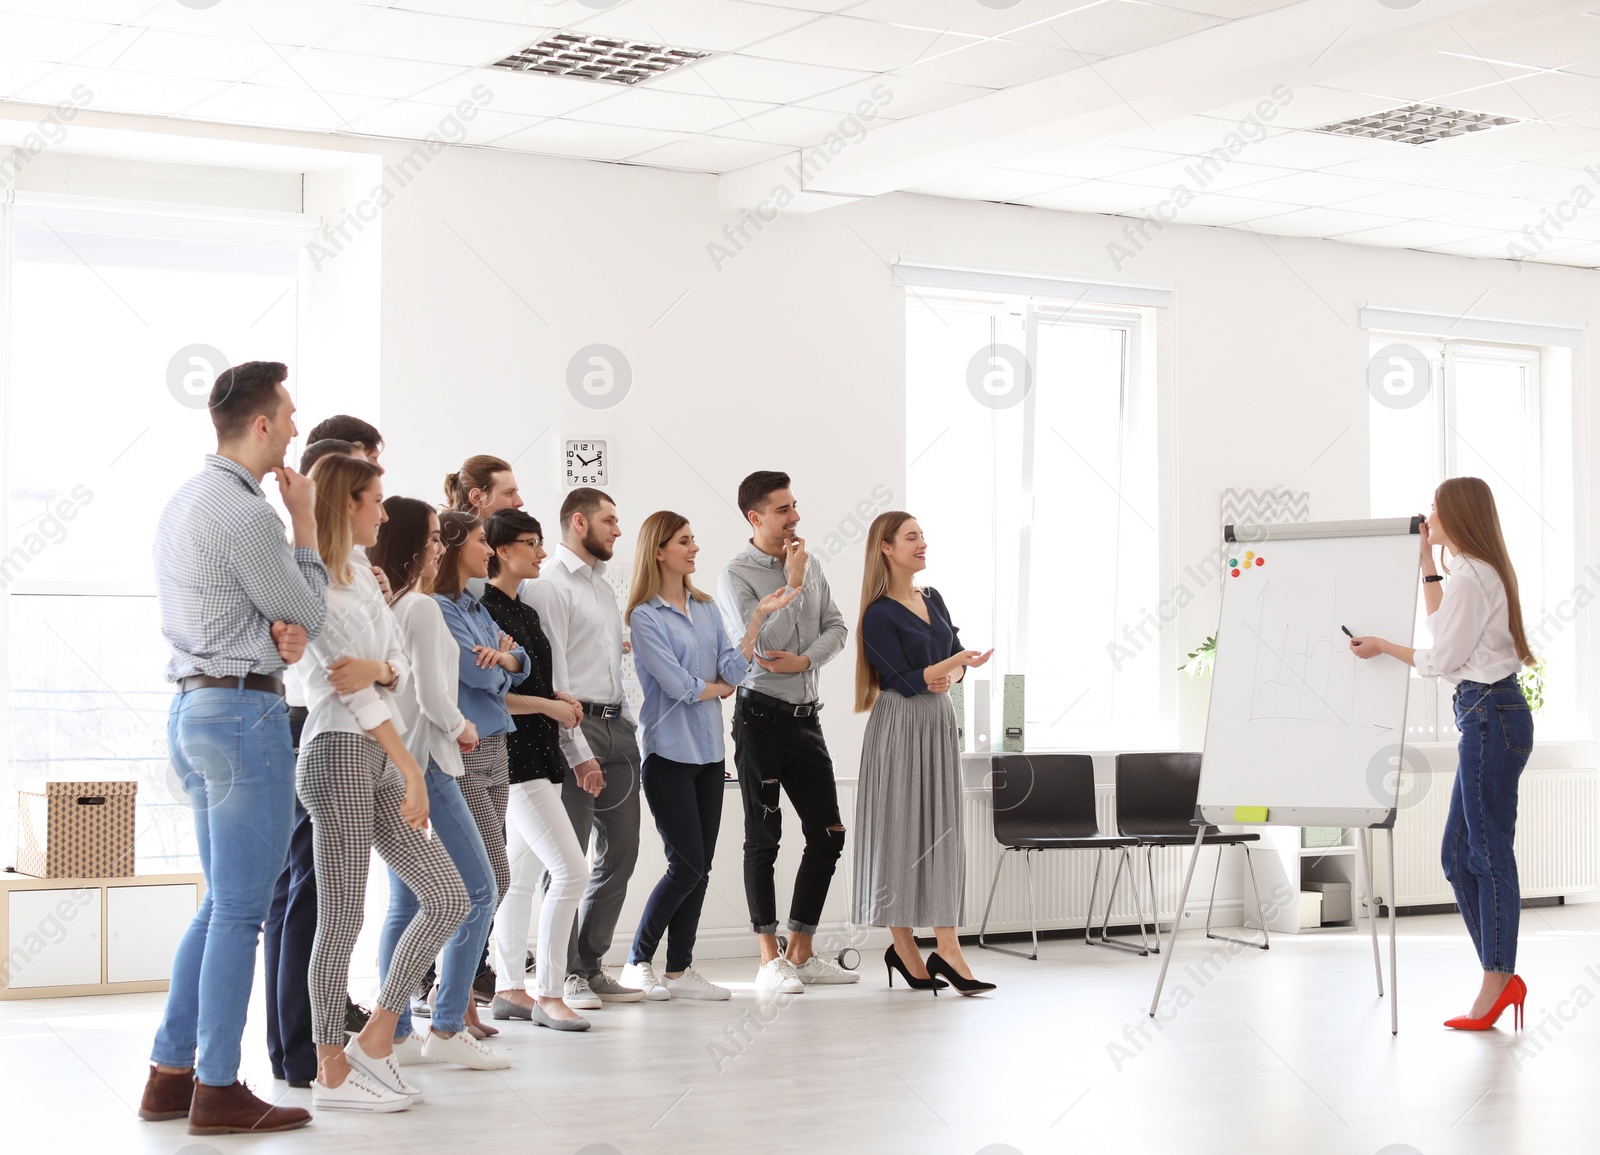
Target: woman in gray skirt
x,y
910,857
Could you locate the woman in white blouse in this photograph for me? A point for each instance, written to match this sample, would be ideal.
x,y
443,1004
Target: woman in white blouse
x,y
1478,645
364,791
437,734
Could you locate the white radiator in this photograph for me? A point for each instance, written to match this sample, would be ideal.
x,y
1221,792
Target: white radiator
x,y
1061,878
1555,844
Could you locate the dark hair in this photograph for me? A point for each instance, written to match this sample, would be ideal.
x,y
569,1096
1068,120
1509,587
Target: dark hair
x,y
476,472
455,527
343,427
402,545
316,450
754,490
504,527
584,500
242,393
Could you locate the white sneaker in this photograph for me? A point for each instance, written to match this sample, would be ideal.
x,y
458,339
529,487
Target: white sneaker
x,y
817,969
358,1092
778,978
577,995
692,985
465,1051
643,976
384,1071
408,1051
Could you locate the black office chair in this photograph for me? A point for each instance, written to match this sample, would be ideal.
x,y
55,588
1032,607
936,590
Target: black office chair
x,y
1046,802
1156,795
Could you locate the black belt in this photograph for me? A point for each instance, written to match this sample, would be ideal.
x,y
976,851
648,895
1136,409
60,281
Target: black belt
x,y
266,683
804,710
603,709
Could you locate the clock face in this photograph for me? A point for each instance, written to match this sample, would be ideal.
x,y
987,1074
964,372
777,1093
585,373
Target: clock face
x,y
587,463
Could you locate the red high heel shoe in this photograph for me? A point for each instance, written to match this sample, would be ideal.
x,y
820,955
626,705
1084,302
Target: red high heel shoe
x,y
1515,993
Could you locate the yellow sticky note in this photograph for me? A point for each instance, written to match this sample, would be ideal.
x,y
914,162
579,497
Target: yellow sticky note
x,y
1249,813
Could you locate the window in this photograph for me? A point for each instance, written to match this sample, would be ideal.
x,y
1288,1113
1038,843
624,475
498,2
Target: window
x,y
1031,450
1503,413
118,316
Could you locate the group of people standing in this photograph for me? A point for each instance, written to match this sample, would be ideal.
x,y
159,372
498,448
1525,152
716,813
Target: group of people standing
x,y
438,686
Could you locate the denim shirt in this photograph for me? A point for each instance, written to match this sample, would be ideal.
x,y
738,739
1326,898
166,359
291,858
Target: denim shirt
x,y
675,656
482,694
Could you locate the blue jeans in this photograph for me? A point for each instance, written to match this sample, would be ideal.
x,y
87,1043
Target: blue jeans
x,y
686,800
456,831
232,752
1496,738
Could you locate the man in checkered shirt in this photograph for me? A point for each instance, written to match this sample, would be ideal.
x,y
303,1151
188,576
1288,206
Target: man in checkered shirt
x,y
237,605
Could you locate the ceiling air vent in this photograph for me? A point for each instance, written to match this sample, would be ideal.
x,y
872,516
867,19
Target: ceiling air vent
x,y
599,58
1417,124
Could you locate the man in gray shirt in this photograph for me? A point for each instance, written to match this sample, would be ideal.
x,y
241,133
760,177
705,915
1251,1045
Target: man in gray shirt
x,y
778,743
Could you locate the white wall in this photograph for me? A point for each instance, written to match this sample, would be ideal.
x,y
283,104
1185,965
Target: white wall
x,y
791,356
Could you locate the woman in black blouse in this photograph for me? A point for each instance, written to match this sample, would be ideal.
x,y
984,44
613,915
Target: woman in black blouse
x,y
910,858
539,835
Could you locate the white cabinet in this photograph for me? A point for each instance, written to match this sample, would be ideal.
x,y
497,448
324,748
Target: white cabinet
x,y
53,937
143,927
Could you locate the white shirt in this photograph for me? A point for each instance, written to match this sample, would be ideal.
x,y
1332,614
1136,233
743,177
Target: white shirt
x,y
579,614
1471,629
426,708
293,694
358,625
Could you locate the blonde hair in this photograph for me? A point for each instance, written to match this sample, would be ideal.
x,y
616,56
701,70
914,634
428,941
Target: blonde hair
x,y
338,480
874,585
1466,506
658,529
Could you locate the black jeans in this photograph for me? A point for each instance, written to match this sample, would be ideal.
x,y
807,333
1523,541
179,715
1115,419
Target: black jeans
x,y
774,750
286,947
686,800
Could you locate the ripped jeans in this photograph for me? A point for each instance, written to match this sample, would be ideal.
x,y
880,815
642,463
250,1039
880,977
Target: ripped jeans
x,y
775,751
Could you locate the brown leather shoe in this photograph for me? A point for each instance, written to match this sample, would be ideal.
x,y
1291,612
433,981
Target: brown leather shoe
x,y
167,1095
228,1110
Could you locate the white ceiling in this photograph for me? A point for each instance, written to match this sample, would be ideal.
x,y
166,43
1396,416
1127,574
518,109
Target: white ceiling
x,y
1088,105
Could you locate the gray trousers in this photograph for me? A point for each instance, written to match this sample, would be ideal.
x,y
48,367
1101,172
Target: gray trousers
x,y
613,820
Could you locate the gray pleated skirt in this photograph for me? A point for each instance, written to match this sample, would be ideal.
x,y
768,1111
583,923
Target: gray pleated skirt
x,y
910,862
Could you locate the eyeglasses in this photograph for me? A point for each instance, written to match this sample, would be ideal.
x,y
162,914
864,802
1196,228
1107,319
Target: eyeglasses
x,y
533,541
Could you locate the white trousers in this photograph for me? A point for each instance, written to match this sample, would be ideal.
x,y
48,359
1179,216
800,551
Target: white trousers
x,y
539,837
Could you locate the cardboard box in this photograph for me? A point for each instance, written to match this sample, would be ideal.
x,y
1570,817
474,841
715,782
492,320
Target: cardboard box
x,y
1310,908
75,829
1335,899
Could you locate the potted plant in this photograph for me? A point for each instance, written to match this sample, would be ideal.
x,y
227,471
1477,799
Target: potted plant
x,y
1202,659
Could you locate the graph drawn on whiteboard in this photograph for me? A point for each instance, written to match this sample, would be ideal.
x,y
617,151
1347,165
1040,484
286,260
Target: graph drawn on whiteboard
x,y
1304,671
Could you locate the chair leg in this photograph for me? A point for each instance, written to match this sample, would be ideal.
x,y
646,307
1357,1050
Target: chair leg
x,y
1264,941
1155,911
1033,924
1104,938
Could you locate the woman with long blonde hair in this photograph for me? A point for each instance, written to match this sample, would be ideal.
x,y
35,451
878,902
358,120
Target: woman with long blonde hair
x,y
686,666
364,791
1479,645
910,858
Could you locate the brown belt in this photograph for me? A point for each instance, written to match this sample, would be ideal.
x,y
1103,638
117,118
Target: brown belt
x,y
266,683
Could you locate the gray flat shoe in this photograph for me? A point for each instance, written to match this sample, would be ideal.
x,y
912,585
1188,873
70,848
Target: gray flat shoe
x,y
544,1019
504,1008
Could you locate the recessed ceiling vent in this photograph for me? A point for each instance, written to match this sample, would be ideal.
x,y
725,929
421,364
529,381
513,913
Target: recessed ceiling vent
x,y
1417,124
599,58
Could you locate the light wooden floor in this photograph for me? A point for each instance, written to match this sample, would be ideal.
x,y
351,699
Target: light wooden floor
x,y
1287,1051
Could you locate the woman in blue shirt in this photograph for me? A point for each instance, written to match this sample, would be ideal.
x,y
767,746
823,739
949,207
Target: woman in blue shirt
x,y
910,860
491,665
686,666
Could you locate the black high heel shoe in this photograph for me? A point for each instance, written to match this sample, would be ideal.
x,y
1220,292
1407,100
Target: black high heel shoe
x,y
892,961
939,967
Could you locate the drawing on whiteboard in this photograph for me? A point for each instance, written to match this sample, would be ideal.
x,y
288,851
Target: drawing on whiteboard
x,y
1299,676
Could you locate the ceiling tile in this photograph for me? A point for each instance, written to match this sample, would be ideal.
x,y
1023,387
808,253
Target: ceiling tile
x,y
668,111
283,107
1201,175
1542,42
709,25
1496,245
1426,78
1098,196
747,78
996,64
1549,141
894,96
1116,27
99,11
998,184
17,75
1319,222
787,124
1308,106
181,54
1537,97
586,141
1509,213
1415,164
710,154
517,91
1416,234
287,22
351,72
846,42
25,37
1224,209
1229,9
967,16
1297,148
411,121
1184,136
1540,182
1090,159
1417,201
1318,188
425,36
120,90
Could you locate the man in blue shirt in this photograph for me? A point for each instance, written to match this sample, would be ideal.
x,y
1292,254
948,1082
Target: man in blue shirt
x,y
237,605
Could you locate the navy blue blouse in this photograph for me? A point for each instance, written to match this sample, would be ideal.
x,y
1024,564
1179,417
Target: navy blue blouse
x,y
900,645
